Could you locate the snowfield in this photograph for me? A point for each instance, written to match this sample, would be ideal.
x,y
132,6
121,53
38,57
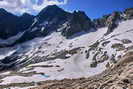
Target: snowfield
x,y
71,63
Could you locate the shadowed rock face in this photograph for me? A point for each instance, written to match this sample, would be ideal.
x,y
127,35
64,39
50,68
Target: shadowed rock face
x,y
101,22
78,22
25,21
8,24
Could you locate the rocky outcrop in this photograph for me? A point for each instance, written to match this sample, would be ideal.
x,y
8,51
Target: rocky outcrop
x,y
129,13
101,22
77,23
112,22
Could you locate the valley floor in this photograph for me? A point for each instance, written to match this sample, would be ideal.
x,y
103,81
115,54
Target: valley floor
x,y
120,76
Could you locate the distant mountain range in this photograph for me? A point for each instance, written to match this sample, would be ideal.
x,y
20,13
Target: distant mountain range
x,y
51,19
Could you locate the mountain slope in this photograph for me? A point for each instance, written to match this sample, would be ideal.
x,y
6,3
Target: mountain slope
x,y
67,58
117,77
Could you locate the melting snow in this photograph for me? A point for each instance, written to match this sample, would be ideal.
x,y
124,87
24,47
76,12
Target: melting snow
x,y
77,65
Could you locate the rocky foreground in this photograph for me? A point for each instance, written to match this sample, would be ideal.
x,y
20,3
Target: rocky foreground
x,y
117,76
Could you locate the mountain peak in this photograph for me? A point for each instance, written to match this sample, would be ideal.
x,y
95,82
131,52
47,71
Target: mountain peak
x,y
2,10
51,6
51,9
26,14
50,12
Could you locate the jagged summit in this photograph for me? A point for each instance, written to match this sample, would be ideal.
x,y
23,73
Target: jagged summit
x,y
52,12
51,9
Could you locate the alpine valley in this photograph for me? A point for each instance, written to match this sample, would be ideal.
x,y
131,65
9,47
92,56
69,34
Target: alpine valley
x,y
57,49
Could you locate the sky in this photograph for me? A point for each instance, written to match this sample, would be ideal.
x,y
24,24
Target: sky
x,y
93,8
98,8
